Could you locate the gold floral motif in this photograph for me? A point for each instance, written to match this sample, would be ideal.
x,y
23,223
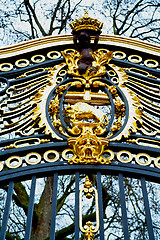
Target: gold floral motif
x,y
119,108
116,127
54,107
89,228
113,91
88,190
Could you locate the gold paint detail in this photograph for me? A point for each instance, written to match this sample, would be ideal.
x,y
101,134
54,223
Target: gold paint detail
x,y
62,73
86,23
53,55
35,118
157,162
14,159
145,142
4,67
140,72
32,72
87,148
41,100
51,156
1,166
88,188
88,191
32,158
110,157
26,143
119,55
80,111
54,110
135,107
40,87
111,73
38,58
115,80
135,58
70,153
103,50
144,156
88,97
22,63
100,59
151,63
124,156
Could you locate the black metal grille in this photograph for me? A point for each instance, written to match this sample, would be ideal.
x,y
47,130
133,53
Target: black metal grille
x,y
146,85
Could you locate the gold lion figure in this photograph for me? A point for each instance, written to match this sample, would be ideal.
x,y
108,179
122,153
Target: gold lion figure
x,y
80,111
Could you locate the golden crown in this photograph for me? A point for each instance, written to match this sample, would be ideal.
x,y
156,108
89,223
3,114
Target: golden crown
x,y
86,23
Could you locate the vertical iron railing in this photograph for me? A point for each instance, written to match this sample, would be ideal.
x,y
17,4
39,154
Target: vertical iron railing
x,y
30,209
123,208
6,211
54,207
100,203
77,206
147,209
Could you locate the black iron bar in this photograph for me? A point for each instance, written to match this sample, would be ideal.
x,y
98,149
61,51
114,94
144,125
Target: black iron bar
x,y
77,206
54,207
100,202
6,211
123,208
30,209
147,209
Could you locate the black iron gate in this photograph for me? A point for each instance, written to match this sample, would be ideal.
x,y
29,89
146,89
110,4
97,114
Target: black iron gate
x,y
113,134
139,172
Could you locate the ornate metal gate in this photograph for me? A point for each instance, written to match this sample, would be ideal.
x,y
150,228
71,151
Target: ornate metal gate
x,y
92,115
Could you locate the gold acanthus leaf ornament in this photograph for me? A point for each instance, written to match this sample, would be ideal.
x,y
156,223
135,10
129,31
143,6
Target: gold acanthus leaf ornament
x,y
100,59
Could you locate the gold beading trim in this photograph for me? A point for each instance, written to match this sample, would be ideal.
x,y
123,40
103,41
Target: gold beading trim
x,y
129,155
34,155
42,58
46,156
1,166
145,155
12,158
25,61
157,162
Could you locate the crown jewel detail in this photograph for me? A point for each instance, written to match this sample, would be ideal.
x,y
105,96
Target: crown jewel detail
x,y
86,23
